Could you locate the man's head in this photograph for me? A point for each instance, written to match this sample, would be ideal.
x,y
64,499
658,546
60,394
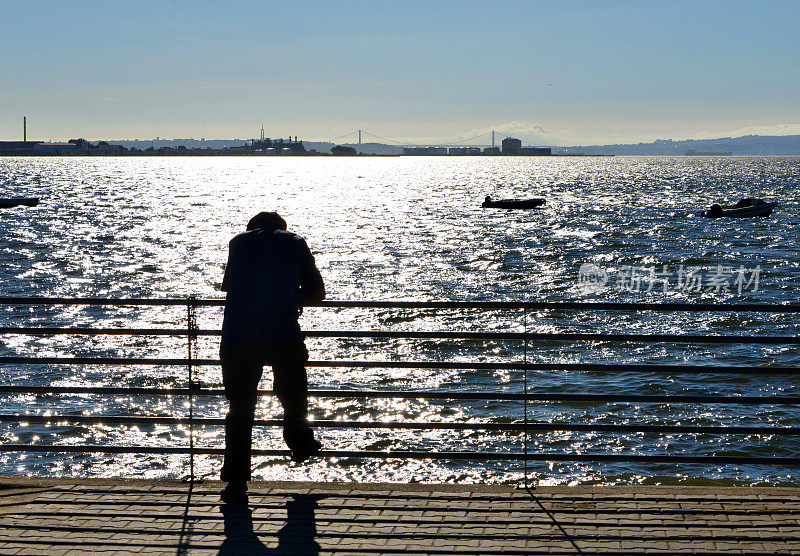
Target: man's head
x,y
265,220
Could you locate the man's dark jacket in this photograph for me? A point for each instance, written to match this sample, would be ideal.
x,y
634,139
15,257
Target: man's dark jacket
x,y
268,269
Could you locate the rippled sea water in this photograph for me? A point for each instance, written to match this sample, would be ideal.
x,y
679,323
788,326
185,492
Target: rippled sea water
x,y
409,229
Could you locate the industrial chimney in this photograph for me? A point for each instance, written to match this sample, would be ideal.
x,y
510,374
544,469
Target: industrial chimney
x,y
24,128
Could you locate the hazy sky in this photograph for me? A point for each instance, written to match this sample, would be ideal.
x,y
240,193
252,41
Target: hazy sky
x,y
550,72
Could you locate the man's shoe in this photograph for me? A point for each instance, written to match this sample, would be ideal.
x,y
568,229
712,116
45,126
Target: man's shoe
x,y
234,493
302,454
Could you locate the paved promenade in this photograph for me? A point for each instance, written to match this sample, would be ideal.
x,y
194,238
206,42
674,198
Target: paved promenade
x,y
68,516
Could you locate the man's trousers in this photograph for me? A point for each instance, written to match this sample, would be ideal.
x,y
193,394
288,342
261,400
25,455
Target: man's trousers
x,y
242,366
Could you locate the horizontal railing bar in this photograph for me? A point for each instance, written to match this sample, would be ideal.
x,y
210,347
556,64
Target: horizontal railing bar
x,y
109,301
439,335
413,394
87,331
106,361
409,454
389,304
563,305
107,390
514,365
409,425
556,337
602,367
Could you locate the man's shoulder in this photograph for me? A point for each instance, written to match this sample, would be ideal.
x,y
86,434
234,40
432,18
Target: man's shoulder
x,y
289,236
266,234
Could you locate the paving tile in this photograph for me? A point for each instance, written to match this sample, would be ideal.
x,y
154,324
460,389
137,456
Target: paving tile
x,y
153,517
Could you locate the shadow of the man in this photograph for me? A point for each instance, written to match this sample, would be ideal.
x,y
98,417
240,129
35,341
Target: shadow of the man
x,y
296,537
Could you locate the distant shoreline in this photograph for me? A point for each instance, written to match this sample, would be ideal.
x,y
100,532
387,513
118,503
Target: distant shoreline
x,y
375,155
749,145
324,155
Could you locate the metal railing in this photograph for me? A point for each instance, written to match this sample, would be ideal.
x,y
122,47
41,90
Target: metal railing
x,y
192,390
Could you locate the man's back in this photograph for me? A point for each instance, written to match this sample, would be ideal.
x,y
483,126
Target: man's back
x,y
267,270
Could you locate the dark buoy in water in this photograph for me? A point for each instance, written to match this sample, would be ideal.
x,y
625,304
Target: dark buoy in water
x,y
512,203
714,212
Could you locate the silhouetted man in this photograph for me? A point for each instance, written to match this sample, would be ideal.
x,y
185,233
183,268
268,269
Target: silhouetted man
x,y
270,276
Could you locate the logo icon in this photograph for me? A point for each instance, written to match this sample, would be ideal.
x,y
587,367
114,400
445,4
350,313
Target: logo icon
x,y
589,274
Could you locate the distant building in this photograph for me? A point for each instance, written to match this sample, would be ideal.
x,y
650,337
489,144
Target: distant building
x,y
104,148
35,148
425,151
343,150
239,150
491,150
17,147
464,151
511,145
55,148
80,144
535,151
273,146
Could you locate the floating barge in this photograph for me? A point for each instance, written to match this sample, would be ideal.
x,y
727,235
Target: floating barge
x,y
11,202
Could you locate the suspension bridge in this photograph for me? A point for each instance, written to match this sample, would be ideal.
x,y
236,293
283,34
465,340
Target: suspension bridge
x,y
359,135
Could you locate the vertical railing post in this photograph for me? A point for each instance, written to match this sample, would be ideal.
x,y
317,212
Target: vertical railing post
x,y
525,396
191,349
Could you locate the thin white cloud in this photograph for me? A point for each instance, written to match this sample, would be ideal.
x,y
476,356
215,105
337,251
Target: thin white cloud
x,y
780,129
528,132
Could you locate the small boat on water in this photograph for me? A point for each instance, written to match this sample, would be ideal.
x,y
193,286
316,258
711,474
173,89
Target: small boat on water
x,y
745,208
10,202
512,203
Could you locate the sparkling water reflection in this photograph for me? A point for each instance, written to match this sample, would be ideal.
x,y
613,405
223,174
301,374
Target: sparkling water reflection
x,y
404,228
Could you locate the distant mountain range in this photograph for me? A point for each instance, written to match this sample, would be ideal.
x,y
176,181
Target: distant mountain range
x,y
747,145
763,145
